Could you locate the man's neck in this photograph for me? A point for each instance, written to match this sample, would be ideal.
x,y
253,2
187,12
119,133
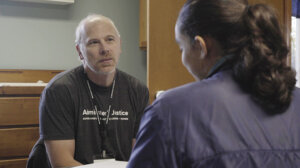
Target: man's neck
x,y
101,78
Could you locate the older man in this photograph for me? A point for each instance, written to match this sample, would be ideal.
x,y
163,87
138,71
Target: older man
x,y
92,111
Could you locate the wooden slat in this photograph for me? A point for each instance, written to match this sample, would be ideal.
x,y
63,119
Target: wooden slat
x,y
17,142
13,75
21,90
13,163
19,111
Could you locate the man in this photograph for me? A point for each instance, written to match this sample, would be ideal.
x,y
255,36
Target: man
x,y
92,111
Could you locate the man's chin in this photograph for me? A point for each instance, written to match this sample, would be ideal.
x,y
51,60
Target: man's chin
x,y
105,71
101,71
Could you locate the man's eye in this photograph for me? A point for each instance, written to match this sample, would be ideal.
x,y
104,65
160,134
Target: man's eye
x,y
93,42
110,39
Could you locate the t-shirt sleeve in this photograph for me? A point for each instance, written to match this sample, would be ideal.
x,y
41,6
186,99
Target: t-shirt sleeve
x,y
143,98
56,113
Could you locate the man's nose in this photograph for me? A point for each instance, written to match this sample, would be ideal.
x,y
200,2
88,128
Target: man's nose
x,y
104,50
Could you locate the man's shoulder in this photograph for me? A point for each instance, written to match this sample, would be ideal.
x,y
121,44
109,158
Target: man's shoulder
x,y
130,80
66,78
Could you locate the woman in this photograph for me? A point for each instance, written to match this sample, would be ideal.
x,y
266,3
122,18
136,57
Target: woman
x,y
244,109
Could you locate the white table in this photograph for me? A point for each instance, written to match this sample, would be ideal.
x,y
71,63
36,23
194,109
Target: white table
x,y
106,163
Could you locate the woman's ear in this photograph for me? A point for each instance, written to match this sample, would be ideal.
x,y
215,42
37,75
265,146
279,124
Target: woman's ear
x,y
201,45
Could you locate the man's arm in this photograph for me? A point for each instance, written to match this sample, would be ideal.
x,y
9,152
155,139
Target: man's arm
x,y
61,153
144,98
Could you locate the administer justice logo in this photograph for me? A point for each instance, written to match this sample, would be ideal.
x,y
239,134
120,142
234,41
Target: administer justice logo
x,y
115,115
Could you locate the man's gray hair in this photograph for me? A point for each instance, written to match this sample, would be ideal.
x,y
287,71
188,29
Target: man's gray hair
x,y
91,17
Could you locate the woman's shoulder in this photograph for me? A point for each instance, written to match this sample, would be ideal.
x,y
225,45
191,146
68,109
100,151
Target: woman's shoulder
x,y
211,86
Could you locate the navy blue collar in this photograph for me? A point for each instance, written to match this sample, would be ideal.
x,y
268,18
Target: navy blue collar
x,y
220,64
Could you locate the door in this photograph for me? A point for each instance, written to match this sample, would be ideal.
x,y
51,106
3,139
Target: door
x,y
165,69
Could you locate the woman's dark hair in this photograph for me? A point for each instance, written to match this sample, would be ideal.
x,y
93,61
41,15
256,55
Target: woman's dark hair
x,y
253,34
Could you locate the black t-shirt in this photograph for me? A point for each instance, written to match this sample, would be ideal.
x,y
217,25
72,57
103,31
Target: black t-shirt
x,y
67,112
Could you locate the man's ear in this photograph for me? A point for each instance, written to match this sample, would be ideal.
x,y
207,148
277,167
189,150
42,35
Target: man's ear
x,y
79,52
201,45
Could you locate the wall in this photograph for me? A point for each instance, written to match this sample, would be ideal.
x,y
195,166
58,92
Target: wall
x,y
41,36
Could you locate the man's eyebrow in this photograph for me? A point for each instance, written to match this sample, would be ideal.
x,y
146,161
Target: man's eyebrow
x,y
92,39
111,35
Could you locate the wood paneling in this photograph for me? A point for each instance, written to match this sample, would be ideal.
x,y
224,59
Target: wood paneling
x,y
18,141
19,111
13,163
143,24
13,75
165,69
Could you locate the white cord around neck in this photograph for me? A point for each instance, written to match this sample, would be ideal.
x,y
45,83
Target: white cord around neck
x,y
94,101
